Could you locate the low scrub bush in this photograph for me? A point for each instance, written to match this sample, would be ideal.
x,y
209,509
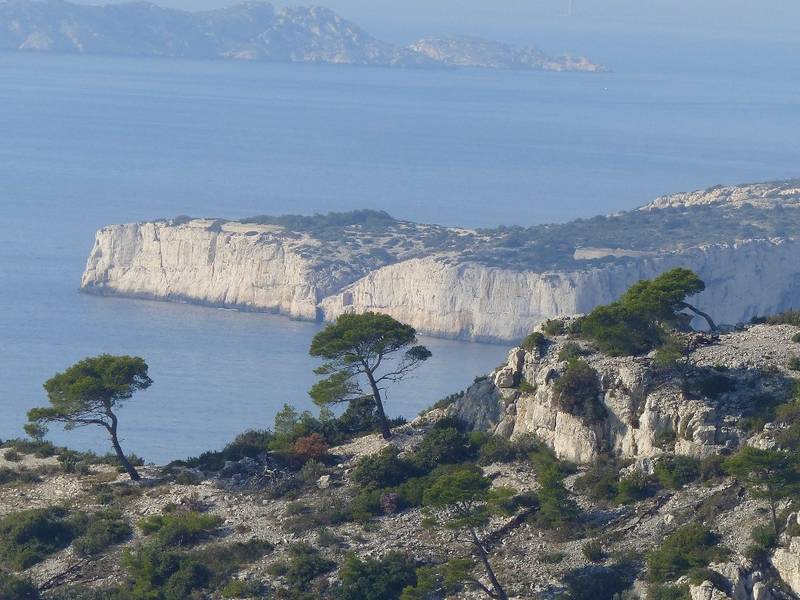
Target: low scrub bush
x,y
554,327
535,341
600,481
635,487
690,547
16,588
577,391
571,350
599,583
304,565
180,529
660,591
30,536
556,508
238,588
159,573
100,531
12,455
442,446
674,472
17,476
373,579
714,385
383,469
593,551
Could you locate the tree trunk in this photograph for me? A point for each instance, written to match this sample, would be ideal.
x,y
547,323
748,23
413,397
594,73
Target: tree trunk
x,y
773,511
126,464
376,394
499,592
711,325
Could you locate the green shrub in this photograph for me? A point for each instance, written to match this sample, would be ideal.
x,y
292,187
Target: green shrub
x,y
12,455
375,579
674,472
535,341
101,531
554,327
635,487
14,588
714,385
796,338
556,508
30,536
687,548
442,446
498,449
238,588
794,364
593,551
383,469
789,317
764,537
600,481
599,583
305,564
20,475
249,444
526,388
701,574
711,467
553,558
620,331
569,351
180,529
159,573
658,591
578,391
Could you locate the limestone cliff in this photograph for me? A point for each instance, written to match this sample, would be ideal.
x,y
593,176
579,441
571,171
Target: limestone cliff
x,y
647,412
489,285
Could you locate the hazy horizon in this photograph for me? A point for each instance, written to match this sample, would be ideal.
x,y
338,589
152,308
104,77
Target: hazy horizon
x,y
727,19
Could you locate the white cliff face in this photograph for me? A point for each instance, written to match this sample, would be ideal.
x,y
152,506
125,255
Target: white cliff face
x,y
646,415
476,302
250,267
477,285
155,260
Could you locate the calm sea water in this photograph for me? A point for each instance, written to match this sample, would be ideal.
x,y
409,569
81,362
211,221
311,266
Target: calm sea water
x,y
87,141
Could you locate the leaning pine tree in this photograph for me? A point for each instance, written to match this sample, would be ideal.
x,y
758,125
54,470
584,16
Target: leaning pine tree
x,y
368,348
88,393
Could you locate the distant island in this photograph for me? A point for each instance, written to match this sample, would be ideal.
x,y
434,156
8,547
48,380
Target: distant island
x,y
253,31
485,284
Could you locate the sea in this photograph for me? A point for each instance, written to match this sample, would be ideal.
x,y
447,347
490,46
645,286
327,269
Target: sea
x,y
87,141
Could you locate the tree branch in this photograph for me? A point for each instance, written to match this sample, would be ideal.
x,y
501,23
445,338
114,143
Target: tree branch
x,y
711,325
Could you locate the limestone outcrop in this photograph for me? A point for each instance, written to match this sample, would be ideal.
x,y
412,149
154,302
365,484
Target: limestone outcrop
x,y
487,285
646,412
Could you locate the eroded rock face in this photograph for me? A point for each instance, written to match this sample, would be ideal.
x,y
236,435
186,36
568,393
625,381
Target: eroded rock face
x,y
479,285
646,413
787,563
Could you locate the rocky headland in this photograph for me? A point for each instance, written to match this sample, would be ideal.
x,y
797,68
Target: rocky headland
x,y
251,30
490,285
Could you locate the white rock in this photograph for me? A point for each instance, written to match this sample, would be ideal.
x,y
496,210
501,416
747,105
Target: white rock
x,y
787,563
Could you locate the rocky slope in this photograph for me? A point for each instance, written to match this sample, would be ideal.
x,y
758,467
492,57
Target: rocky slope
x,y
648,420
249,31
479,285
